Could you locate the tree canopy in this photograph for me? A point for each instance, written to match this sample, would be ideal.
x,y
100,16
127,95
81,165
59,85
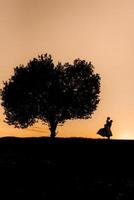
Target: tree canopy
x,y
51,93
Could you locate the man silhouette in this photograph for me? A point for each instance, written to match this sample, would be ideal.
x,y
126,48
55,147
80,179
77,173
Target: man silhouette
x,y
107,127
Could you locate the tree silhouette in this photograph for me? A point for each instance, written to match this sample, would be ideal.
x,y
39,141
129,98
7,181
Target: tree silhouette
x,y
53,94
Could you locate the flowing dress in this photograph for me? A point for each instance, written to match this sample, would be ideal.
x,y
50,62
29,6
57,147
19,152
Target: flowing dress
x,y
105,132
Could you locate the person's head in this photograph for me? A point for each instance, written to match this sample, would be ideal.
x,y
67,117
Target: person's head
x,y
108,118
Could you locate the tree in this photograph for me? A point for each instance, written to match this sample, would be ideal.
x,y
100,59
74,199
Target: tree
x,y
42,91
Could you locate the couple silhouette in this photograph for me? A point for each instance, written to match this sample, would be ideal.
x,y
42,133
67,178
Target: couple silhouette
x,y
106,131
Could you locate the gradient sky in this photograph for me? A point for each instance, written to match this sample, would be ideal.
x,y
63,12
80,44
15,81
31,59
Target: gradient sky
x,y
101,31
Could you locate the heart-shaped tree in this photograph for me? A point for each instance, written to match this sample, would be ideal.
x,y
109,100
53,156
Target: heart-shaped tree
x,y
42,91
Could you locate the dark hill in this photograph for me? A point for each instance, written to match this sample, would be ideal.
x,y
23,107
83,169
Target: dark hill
x,y
66,168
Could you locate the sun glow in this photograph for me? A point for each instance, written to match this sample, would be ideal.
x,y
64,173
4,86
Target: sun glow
x,y
125,135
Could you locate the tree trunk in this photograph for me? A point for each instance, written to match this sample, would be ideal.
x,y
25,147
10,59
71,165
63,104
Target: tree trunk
x,y
53,126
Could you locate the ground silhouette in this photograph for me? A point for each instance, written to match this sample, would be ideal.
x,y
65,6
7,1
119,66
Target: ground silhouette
x,y
73,168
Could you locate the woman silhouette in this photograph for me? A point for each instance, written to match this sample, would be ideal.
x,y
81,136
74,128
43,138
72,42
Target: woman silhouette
x,y
106,131
108,127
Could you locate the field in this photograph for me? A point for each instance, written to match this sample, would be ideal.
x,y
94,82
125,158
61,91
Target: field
x,y
73,168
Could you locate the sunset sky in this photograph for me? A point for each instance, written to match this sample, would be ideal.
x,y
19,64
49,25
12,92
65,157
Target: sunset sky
x,y
100,31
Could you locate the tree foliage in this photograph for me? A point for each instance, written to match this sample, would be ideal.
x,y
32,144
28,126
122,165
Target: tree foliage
x,y
42,91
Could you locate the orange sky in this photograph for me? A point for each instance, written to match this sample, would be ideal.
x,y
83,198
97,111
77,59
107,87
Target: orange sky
x,y
101,31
